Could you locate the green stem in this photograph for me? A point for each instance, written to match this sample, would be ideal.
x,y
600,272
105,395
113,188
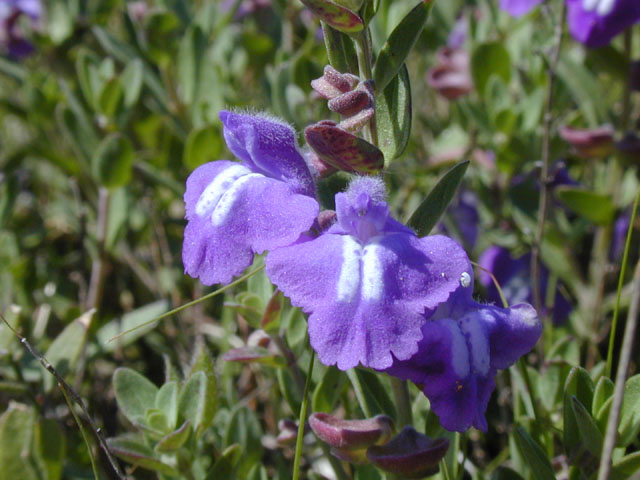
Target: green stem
x,y
190,304
302,420
365,67
623,271
403,401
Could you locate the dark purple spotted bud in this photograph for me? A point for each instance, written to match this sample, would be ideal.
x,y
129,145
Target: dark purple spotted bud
x,y
337,16
589,142
410,454
349,439
333,83
351,103
343,150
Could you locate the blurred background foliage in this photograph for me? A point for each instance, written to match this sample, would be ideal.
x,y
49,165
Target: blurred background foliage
x,y
103,122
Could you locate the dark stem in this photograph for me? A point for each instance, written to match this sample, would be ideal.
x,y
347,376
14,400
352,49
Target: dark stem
x,y
546,160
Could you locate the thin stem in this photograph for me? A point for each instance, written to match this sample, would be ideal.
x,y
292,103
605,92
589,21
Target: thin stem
x,y
621,376
403,401
364,53
68,392
302,420
189,304
623,271
543,204
99,266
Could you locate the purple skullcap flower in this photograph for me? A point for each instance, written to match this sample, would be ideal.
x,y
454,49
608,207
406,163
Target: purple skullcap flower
x,y
464,343
596,22
237,209
591,22
514,277
367,280
518,8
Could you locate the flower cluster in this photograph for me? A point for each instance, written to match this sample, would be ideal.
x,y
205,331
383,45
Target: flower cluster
x,y
376,294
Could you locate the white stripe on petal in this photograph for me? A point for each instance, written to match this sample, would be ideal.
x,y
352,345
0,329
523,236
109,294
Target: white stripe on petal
x,y
372,272
589,5
605,7
224,206
211,195
459,349
477,341
349,279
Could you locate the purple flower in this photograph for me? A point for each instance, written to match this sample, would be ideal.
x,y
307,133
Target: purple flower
x,y
463,346
11,36
514,277
592,22
237,209
367,280
463,214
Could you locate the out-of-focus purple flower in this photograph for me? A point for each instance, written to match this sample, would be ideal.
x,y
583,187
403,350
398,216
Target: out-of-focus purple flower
x,y
458,33
245,7
514,277
410,454
451,76
464,344
592,22
11,36
620,228
237,209
367,281
596,22
589,142
519,7
462,212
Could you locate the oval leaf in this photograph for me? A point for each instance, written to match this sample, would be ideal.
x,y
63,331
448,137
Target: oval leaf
x,y
393,116
593,206
488,59
134,394
113,161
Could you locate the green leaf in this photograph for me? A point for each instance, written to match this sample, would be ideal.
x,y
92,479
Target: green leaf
x,y
534,455
591,435
156,420
626,467
400,42
488,59
64,351
580,385
603,391
226,464
431,209
16,433
258,472
203,145
134,394
340,50
51,447
174,440
393,116
593,206
132,449
113,161
629,425
198,400
86,63
585,89
129,321
372,396
190,62
244,429
111,97
288,388
167,401
133,78
328,390
335,15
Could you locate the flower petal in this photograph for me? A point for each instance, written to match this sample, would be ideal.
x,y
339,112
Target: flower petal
x,y
267,145
234,213
367,301
519,7
597,27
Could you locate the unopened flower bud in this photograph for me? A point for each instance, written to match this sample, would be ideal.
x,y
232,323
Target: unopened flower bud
x,y
288,432
589,142
351,434
451,76
333,83
410,454
351,102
